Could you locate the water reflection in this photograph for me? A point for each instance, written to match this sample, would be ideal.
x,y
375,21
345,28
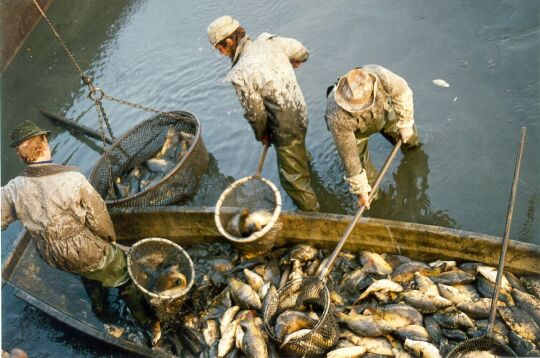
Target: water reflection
x,y
406,198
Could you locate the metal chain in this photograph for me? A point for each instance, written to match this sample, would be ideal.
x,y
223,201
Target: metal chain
x,y
60,39
139,106
100,111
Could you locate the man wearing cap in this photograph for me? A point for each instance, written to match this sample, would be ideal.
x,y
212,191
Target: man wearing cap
x,y
365,101
262,75
66,217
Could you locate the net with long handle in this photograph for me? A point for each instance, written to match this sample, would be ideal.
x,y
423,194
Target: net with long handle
x,y
312,296
155,264
141,143
247,212
487,343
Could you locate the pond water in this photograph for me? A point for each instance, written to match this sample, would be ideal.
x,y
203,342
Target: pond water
x,y
156,53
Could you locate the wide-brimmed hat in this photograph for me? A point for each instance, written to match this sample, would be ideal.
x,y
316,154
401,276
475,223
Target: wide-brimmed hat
x,y
24,131
355,91
221,28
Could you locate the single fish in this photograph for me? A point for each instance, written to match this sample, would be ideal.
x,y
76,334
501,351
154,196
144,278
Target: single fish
x,y
303,252
159,165
169,145
521,323
244,295
452,318
383,286
486,288
515,282
254,280
253,343
454,334
405,272
227,319
532,282
347,352
395,260
228,340
427,350
211,332
479,308
236,225
414,332
170,282
292,321
523,347
424,302
425,284
370,326
469,290
256,221
115,331
400,314
491,274
294,336
528,303
453,277
312,267
434,331
453,294
374,345
375,263
441,83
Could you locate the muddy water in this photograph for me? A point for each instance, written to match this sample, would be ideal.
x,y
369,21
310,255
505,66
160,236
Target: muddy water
x,y
156,53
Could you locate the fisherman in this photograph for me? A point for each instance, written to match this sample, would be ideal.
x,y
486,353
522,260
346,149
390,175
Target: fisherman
x,y
67,219
365,101
262,75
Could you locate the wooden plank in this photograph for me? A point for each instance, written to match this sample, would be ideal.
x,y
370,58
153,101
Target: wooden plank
x,y
188,226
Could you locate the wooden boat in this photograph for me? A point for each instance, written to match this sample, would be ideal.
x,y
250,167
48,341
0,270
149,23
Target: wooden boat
x,y
62,295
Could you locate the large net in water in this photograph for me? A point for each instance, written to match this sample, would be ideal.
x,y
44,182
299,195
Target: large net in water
x,y
247,214
481,346
155,264
308,295
141,144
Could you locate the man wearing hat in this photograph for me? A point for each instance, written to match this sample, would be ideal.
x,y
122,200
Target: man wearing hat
x,y
262,75
66,217
368,100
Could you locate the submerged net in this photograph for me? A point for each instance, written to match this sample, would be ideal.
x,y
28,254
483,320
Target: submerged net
x,y
247,214
148,261
481,345
304,295
142,143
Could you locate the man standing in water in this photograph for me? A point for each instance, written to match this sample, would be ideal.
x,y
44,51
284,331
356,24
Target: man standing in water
x,y
365,101
262,75
68,220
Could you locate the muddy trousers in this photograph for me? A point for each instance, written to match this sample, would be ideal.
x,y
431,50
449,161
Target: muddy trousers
x,y
295,174
390,132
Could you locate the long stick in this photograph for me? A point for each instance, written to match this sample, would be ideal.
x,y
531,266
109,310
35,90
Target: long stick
x,y
509,215
73,125
326,269
261,160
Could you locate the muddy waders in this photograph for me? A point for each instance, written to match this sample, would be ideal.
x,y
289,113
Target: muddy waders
x,y
295,174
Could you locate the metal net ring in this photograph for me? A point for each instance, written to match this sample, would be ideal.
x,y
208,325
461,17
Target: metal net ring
x,y
254,193
148,256
484,344
140,144
295,295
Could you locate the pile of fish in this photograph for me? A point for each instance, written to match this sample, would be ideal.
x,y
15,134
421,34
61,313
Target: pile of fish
x,y
150,172
386,305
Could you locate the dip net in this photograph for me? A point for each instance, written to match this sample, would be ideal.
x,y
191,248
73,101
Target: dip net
x,y
306,295
153,263
142,143
481,346
247,212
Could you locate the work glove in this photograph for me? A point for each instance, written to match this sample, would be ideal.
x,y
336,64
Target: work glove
x,y
406,134
360,187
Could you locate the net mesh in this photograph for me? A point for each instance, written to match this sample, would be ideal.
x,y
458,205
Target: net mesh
x,y
247,214
146,260
142,143
307,295
474,347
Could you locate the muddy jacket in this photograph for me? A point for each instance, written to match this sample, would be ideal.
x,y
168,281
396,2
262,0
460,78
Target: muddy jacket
x,y
64,214
266,85
393,101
